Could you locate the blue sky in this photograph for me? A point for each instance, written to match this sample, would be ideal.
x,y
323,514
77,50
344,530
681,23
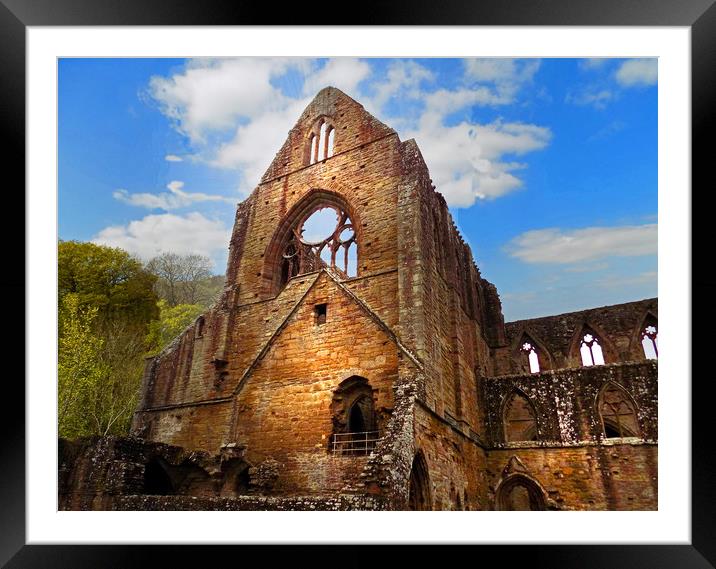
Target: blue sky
x,y
549,166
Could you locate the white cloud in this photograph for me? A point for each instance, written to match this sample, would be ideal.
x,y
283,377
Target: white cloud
x,y
638,72
607,131
175,199
214,94
256,143
154,234
508,75
345,73
597,98
173,158
404,78
588,268
620,282
465,160
443,102
594,63
556,246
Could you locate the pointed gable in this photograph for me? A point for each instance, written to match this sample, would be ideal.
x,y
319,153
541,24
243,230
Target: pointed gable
x,y
353,125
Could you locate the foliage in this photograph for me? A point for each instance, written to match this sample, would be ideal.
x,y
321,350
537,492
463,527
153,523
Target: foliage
x,y
172,320
106,303
99,371
109,320
114,399
185,279
109,279
79,365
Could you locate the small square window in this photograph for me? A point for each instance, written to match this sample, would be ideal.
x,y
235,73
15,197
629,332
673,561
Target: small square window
x,y
321,311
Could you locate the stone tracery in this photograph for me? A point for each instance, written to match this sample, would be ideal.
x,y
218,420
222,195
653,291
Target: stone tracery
x,y
306,251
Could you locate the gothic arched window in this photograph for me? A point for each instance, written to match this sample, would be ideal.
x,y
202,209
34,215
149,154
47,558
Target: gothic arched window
x,y
321,142
649,340
529,352
326,238
355,429
591,350
519,419
617,412
520,493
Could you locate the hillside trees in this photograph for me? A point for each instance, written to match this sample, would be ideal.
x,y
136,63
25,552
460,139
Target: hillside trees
x,y
185,279
79,364
172,321
112,313
186,288
106,304
109,279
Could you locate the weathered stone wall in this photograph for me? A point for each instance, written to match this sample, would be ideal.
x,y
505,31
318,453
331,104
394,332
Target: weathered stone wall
x,y
204,426
251,384
111,473
363,175
456,462
450,311
557,338
94,471
250,503
607,476
565,401
283,410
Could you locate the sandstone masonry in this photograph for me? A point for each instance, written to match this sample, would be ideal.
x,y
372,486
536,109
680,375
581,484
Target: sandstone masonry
x,y
373,369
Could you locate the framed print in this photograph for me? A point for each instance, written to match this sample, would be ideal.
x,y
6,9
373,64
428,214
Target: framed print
x,y
444,391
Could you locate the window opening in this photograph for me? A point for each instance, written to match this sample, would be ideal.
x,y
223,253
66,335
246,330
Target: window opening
x,y
519,420
322,142
649,342
321,313
529,350
331,141
355,429
326,238
618,413
591,351
314,148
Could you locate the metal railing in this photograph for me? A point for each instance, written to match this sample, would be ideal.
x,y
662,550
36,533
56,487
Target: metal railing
x,y
355,444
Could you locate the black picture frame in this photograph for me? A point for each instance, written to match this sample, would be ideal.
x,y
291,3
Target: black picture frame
x,y
699,15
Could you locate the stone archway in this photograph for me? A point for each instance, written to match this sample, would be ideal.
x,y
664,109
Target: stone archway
x,y
419,489
520,493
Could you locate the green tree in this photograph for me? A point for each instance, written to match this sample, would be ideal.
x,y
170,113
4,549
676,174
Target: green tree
x,y
80,366
172,321
114,397
107,278
106,303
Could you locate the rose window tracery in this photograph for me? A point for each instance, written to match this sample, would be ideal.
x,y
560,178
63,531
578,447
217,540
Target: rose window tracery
x,y
326,238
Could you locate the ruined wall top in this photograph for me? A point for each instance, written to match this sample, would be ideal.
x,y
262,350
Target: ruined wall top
x,y
353,125
618,326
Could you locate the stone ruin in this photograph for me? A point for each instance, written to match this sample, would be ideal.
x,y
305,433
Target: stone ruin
x,y
369,366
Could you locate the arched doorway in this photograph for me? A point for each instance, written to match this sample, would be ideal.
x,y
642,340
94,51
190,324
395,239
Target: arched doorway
x,y
419,490
520,493
355,425
356,422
